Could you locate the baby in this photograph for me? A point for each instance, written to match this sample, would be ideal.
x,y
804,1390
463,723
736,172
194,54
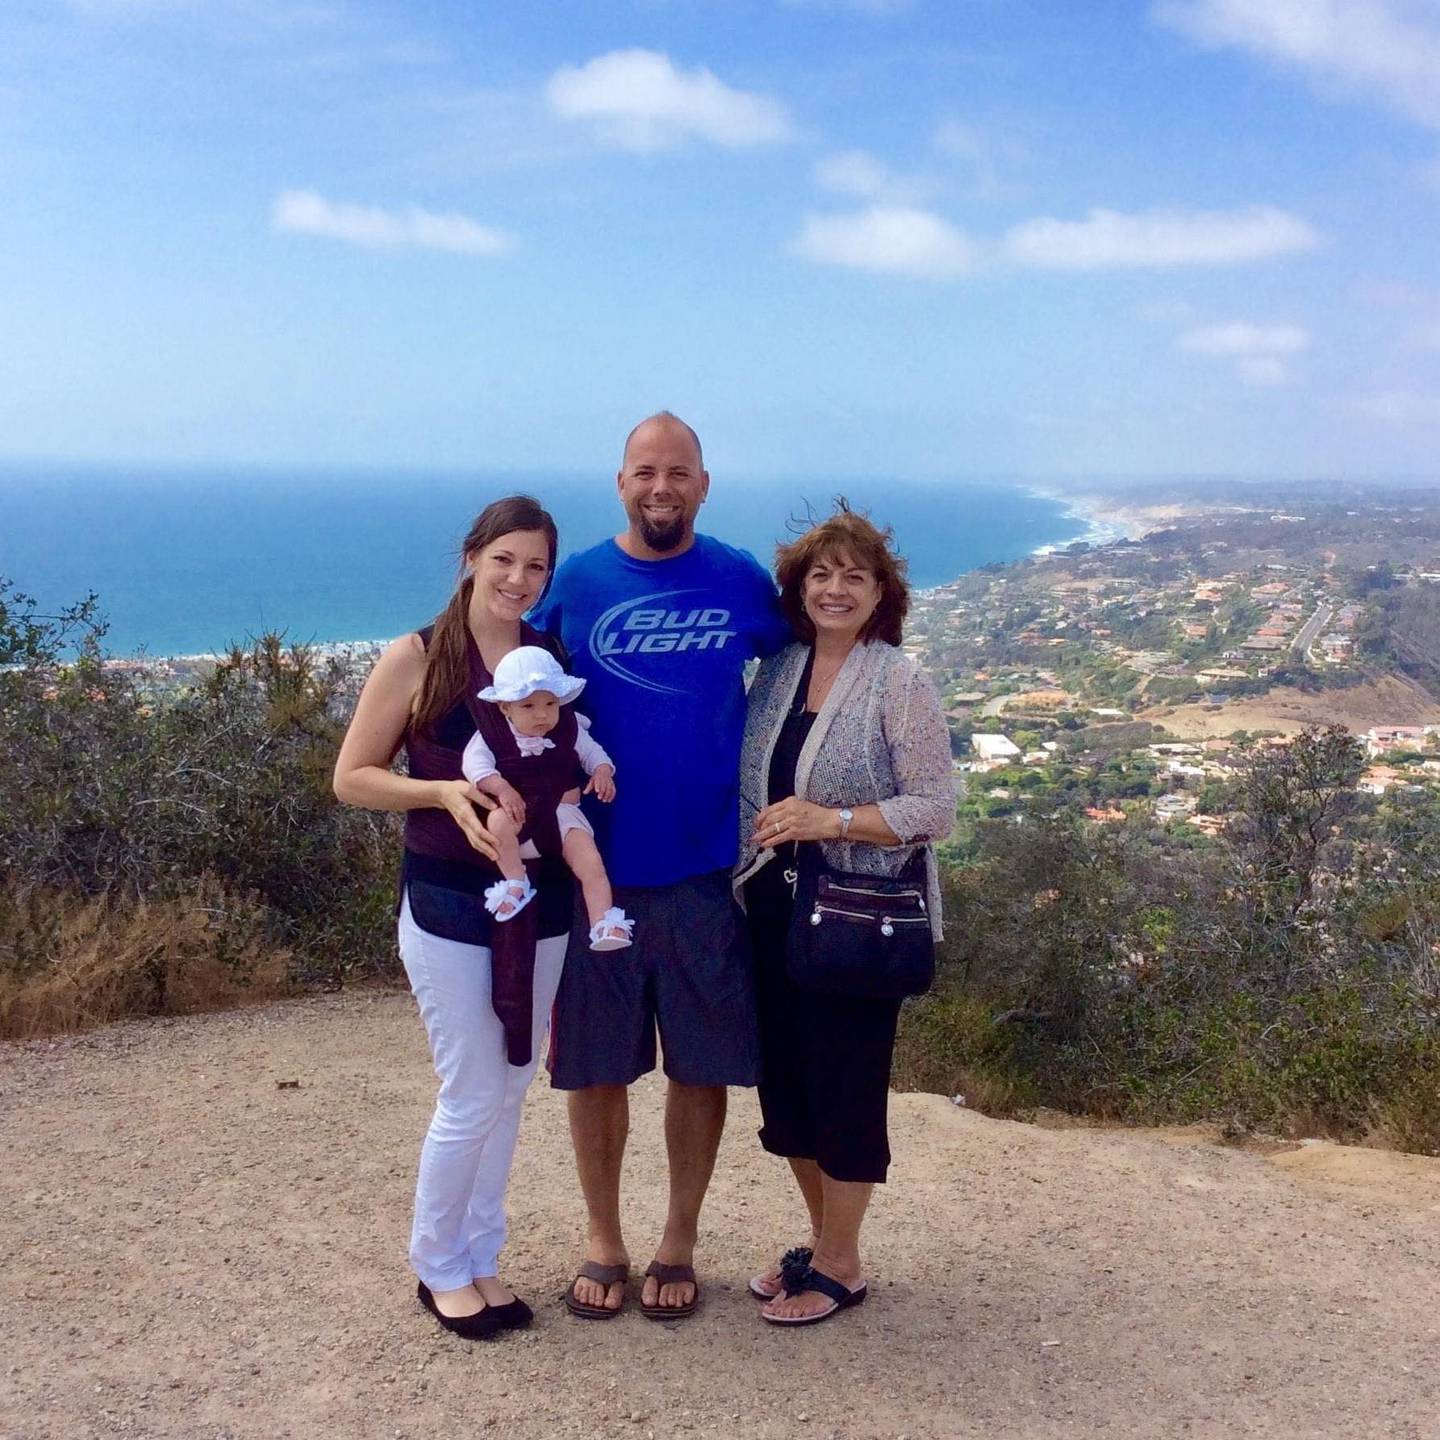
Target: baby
x,y
528,753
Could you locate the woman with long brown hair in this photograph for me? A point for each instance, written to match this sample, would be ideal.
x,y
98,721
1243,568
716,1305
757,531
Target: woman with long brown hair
x,y
485,1003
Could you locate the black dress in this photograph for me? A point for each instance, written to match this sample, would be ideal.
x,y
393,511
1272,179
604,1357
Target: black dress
x,y
825,1059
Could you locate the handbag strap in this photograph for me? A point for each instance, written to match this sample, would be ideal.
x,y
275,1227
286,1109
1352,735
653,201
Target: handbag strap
x,y
810,860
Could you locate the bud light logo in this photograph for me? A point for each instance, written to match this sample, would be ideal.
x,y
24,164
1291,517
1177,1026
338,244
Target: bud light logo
x,y
657,625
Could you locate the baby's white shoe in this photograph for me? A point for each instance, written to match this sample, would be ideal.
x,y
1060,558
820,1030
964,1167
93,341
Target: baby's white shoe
x,y
505,899
611,931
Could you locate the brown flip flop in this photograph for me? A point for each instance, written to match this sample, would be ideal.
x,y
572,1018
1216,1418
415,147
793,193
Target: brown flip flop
x,y
606,1275
671,1275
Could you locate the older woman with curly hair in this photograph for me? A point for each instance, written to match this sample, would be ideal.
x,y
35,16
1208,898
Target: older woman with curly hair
x,y
845,746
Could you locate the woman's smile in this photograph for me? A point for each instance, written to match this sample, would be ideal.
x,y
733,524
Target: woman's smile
x,y
511,572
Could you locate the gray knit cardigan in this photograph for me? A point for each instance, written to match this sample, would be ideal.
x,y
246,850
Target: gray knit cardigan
x,y
879,738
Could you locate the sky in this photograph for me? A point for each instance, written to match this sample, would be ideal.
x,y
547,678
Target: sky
x,y
919,238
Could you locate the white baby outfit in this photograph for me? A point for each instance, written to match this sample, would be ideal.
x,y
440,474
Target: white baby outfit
x,y
478,762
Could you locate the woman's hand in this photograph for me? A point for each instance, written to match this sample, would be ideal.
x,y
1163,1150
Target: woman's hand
x,y
795,819
602,783
459,799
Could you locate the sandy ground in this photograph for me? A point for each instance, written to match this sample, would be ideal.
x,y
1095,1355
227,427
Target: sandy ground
x,y
1391,700
190,1251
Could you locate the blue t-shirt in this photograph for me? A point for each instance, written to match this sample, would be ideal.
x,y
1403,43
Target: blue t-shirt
x,y
662,645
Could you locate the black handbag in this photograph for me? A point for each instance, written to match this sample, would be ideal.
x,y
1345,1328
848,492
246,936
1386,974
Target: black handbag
x,y
861,935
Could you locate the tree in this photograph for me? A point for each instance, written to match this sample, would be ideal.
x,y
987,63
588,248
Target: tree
x,y
1291,798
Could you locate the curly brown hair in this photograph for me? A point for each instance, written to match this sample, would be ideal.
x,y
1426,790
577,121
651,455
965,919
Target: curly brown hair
x,y
848,536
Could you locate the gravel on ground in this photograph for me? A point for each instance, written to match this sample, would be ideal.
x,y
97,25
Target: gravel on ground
x,y
197,1246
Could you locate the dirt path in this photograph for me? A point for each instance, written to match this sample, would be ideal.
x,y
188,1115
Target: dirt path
x,y
190,1251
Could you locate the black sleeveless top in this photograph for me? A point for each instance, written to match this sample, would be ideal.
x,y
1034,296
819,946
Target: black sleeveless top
x,y
444,876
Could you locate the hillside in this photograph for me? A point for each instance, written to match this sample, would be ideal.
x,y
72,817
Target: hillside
x,y
1388,700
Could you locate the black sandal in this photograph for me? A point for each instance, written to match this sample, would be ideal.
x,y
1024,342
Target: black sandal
x,y
802,1254
798,1277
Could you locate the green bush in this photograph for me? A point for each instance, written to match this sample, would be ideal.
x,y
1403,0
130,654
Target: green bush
x,y
220,789
1285,978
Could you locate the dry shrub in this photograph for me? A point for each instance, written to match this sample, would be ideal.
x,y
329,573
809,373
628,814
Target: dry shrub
x,y
1409,1119
71,962
948,1044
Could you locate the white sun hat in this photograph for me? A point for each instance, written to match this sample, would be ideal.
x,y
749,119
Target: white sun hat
x,y
524,671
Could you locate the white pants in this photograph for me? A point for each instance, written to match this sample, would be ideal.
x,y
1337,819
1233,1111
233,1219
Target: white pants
x,y
465,1163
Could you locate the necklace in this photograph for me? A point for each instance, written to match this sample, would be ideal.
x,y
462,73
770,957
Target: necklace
x,y
820,684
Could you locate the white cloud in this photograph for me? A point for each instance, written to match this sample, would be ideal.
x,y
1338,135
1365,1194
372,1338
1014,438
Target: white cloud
x,y
308,213
1256,351
640,100
1238,337
892,239
1386,48
899,237
1160,239
862,176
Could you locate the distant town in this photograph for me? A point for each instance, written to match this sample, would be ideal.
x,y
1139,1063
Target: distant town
x,y
1131,678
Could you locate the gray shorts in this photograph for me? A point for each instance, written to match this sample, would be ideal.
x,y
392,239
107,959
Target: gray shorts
x,y
689,971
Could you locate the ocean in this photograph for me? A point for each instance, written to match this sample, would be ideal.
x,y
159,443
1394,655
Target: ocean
x,y
188,562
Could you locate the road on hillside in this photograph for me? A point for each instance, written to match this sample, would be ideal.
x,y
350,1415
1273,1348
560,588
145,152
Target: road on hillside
x,y
1310,629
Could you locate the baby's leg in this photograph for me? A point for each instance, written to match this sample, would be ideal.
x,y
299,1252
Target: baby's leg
x,y
506,834
588,868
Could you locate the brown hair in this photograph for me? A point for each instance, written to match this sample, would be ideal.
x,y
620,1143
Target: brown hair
x,y
447,670
848,535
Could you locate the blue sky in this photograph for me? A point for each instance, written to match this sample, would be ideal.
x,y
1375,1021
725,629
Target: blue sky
x,y
946,238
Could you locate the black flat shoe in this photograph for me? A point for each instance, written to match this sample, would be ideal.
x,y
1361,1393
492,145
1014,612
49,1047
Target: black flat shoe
x,y
482,1325
513,1315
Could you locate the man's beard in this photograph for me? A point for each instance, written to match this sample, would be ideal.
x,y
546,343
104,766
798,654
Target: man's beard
x,y
662,536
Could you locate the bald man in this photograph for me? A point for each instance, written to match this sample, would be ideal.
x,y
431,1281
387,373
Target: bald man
x,y
661,623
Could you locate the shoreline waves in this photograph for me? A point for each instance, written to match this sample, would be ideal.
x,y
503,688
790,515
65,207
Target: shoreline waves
x,y
1106,518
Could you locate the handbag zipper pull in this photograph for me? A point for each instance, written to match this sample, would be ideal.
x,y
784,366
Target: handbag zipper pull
x,y
886,928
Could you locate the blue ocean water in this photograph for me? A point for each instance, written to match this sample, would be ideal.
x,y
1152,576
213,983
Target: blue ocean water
x,y
189,562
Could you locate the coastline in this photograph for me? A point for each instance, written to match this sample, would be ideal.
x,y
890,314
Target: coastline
x,y
1105,521
1108,519
199,661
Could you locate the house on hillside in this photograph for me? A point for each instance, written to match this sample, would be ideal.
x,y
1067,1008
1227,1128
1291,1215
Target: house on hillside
x,y
1378,779
1380,739
993,750
1173,807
